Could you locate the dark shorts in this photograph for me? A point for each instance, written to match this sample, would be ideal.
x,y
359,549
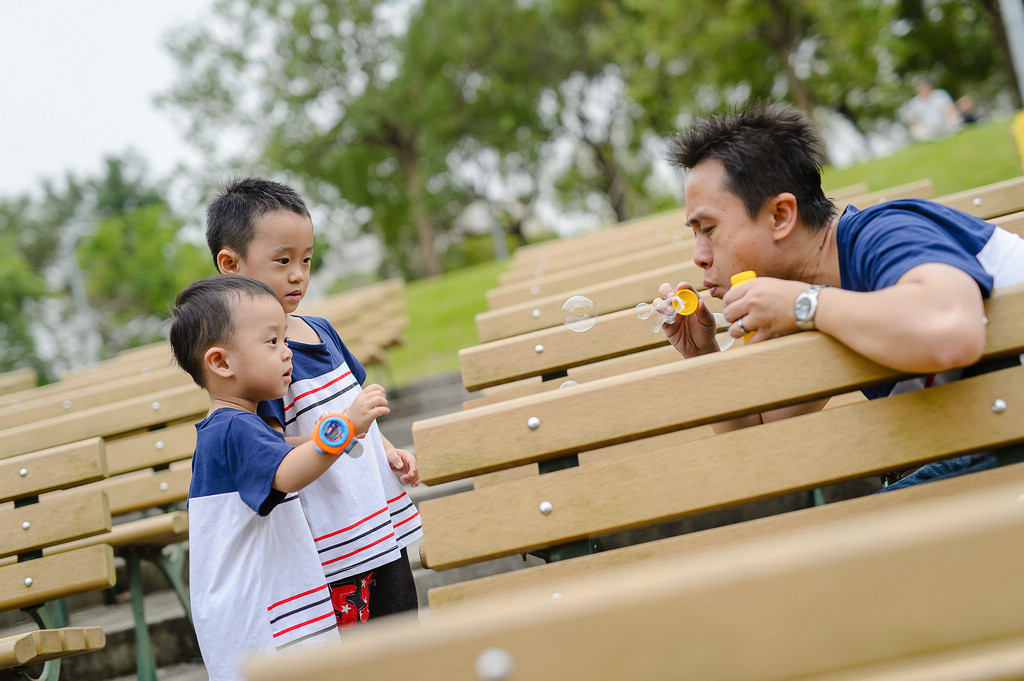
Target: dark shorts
x,y
385,590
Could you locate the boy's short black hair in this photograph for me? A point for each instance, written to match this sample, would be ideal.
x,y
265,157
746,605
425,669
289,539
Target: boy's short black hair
x,y
232,215
203,317
767,149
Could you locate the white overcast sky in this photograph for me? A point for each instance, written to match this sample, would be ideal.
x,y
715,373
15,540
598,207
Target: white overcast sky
x,y
77,82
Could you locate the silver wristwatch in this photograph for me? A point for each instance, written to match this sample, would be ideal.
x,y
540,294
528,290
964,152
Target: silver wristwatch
x,y
805,306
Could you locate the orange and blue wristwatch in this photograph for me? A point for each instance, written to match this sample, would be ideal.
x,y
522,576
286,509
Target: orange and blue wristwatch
x,y
333,434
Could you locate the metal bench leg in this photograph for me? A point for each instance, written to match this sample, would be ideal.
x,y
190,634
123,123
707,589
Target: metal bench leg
x,y
145,660
44,619
172,567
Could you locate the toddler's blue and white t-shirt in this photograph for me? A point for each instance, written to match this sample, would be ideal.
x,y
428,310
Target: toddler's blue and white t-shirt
x,y
254,573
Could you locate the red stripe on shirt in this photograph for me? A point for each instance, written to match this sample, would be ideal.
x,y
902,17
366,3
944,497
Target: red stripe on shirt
x,y
317,389
391,501
292,598
407,519
348,555
307,622
346,529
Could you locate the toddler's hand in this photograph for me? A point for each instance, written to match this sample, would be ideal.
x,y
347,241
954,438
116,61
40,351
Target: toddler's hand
x,y
370,404
402,461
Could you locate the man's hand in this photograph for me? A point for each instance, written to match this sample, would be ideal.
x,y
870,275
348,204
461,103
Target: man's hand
x,y
693,334
765,306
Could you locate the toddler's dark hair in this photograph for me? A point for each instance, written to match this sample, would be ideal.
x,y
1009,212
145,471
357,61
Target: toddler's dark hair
x,y
203,317
232,216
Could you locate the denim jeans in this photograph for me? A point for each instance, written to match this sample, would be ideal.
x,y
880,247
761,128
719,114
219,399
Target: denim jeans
x,y
950,468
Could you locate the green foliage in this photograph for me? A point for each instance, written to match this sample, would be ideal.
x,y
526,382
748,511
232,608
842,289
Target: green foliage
x,y
370,98
135,264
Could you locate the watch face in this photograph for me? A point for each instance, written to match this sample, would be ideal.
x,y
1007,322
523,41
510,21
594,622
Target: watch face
x,y
802,308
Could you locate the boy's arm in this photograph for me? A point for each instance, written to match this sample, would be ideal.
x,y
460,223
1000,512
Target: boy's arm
x,y
301,466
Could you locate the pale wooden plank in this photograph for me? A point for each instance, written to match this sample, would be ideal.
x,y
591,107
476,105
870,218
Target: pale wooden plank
x,y
81,513
764,610
51,469
186,401
57,576
49,644
154,448
18,379
989,201
601,267
608,296
775,373
732,468
553,576
27,409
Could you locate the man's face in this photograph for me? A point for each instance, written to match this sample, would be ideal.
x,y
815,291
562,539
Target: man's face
x,y
728,241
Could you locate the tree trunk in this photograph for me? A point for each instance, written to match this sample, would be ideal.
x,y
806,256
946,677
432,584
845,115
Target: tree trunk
x,y
408,159
782,38
995,19
613,179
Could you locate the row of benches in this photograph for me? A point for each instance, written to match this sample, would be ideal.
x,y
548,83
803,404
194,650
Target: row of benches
x,y
839,591
99,464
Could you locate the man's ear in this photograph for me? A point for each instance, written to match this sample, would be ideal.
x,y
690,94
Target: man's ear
x,y
228,261
784,215
216,361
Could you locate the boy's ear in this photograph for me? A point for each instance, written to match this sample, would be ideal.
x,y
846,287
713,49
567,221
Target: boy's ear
x,y
216,362
784,215
228,261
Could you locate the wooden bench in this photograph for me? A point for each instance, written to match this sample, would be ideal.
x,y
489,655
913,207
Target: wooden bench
x,y
146,443
909,580
928,591
28,579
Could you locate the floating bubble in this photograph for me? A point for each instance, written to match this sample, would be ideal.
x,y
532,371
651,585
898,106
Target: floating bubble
x,y
568,384
579,313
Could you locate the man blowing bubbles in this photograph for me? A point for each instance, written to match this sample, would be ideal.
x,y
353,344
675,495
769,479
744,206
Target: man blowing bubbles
x,y
901,283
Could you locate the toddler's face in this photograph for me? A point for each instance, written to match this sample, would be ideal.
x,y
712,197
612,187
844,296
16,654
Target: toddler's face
x,y
259,356
280,256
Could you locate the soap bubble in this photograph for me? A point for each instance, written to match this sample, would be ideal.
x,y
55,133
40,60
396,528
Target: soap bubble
x,y
568,384
579,313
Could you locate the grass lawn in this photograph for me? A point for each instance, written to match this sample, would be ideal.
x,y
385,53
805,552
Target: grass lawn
x,y
441,310
977,155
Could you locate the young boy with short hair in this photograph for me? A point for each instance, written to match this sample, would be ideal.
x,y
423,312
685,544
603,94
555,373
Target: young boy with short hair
x,y
360,516
255,576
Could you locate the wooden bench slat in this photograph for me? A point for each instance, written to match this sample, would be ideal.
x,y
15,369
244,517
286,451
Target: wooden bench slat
x,y
51,469
608,296
175,403
154,448
33,647
57,576
163,529
773,374
990,200
851,594
52,521
552,575
731,468
147,490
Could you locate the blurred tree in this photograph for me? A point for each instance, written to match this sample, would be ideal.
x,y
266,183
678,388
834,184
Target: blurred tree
x,y
960,44
89,269
371,98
